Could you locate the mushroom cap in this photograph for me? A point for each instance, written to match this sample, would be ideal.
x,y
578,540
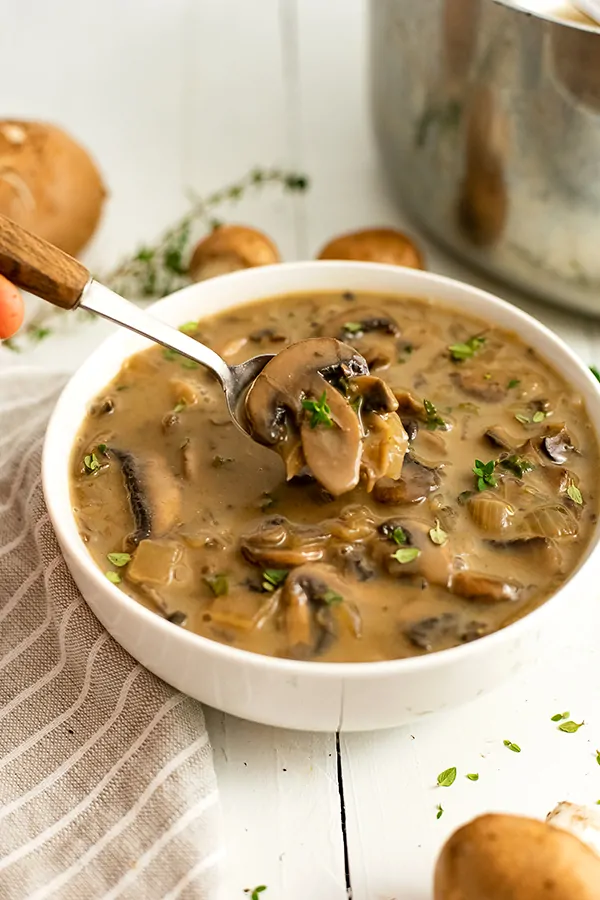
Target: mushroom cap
x,y
502,856
48,183
384,245
582,821
229,248
333,453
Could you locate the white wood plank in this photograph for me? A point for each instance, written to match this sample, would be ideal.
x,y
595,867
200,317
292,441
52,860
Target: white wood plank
x,y
281,806
390,778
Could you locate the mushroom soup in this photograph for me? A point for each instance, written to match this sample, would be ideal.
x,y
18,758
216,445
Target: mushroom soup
x,y
456,482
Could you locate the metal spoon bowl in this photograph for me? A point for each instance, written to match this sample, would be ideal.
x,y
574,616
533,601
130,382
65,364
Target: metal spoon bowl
x,y
42,269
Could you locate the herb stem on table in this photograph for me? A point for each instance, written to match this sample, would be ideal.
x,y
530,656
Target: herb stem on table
x,y
158,269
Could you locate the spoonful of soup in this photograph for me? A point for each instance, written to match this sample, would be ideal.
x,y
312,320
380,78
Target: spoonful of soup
x,y
315,402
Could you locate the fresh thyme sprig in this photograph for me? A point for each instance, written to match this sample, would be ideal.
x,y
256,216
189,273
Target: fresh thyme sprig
x,y
158,269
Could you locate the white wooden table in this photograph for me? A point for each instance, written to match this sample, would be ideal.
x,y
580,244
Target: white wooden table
x,y
191,94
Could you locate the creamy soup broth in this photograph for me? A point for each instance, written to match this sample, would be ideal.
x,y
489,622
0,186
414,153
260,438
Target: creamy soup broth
x,y
208,533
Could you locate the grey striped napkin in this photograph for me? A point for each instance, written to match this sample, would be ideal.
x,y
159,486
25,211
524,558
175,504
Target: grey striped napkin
x,y
107,787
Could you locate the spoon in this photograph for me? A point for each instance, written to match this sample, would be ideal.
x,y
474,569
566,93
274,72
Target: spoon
x,y
42,269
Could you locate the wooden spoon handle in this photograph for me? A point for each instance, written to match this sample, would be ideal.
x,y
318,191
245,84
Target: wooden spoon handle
x,y
40,268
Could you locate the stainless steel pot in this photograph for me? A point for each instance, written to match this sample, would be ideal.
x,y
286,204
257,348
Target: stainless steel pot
x,y
488,120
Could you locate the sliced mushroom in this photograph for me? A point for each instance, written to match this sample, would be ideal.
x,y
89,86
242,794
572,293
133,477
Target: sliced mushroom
x,y
153,494
274,407
375,395
373,333
428,633
354,323
408,404
485,588
353,560
499,437
229,248
478,381
557,444
282,545
433,561
312,603
429,449
384,245
415,485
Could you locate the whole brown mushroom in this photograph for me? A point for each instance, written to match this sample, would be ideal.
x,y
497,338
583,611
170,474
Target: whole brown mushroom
x,y
383,245
229,248
49,184
498,857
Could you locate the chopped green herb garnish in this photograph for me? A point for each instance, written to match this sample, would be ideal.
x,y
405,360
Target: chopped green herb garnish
x,y
114,577
399,535
560,716
575,494
254,892
119,559
484,474
406,554
517,464
447,777
570,727
170,354
353,327
218,584
514,747
102,448
273,578
440,811
524,420
595,372
320,412
437,534
473,776
434,420
513,383
179,407
189,363
538,416
459,352
331,597
188,327
90,463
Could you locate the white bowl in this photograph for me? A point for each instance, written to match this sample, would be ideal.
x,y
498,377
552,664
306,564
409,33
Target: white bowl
x,y
306,695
